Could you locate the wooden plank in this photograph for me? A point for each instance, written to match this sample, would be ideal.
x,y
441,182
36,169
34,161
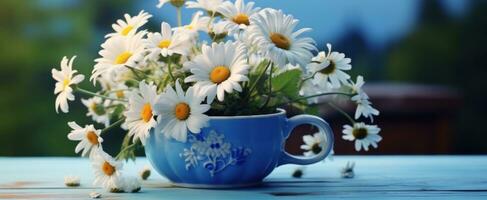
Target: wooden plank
x,y
379,177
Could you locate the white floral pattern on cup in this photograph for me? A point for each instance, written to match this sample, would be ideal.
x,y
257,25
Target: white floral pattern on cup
x,y
213,152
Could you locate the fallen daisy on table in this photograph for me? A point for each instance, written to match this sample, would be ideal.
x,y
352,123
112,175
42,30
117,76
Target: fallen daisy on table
x,y
95,195
72,181
298,172
145,172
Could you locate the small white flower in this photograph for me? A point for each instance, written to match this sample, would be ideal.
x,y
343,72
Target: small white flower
x,y
328,68
140,114
364,135
198,23
219,69
272,31
166,43
107,171
209,5
218,28
130,25
97,109
64,80
312,144
179,112
119,52
72,181
364,106
119,91
95,195
89,137
131,184
237,15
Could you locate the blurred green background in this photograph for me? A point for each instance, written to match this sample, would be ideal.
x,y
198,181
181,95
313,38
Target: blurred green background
x,y
421,42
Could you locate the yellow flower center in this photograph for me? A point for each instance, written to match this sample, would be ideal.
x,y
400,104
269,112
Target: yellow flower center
x,y
280,41
219,74
126,30
66,82
329,69
189,27
182,111
241,18
120,94
92,137
107,168
164,44
146,113
359,133
123,57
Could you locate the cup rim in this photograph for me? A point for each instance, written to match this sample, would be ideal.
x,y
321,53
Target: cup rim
x,y
279,112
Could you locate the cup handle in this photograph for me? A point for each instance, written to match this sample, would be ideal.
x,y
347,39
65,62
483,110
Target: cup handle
x,y
323,127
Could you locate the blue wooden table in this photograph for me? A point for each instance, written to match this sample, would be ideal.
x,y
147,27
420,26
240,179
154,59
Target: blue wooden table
x,y
377,177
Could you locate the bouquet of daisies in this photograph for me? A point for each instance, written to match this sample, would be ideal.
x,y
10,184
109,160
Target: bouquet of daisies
x,y
233,59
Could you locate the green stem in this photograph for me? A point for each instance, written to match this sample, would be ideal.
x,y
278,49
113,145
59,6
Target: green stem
x,y
135,71
342,112
169,68
179,16
257,81
97,95
133,145
270,89
117,123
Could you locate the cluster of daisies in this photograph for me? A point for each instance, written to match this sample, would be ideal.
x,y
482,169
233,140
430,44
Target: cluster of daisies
x,y
232,58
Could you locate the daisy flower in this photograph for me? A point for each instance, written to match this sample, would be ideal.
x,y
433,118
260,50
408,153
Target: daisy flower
x,y
64,80
131,184
107,171
364,106
96,109
218,31
198,23
88,137
118,52
219,69
166,44
72,181
119,91
175,3
272,30
312,144
140,114
329,67
238,14
209,5
130,25
364,135
179,112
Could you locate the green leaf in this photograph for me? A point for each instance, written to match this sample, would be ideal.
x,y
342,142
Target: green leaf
x,y
287,83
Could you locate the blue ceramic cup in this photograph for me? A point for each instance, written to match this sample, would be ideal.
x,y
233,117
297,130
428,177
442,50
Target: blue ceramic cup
x,y
233,151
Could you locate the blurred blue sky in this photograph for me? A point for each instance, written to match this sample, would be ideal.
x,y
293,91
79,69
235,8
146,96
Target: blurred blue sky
x,y
380,21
